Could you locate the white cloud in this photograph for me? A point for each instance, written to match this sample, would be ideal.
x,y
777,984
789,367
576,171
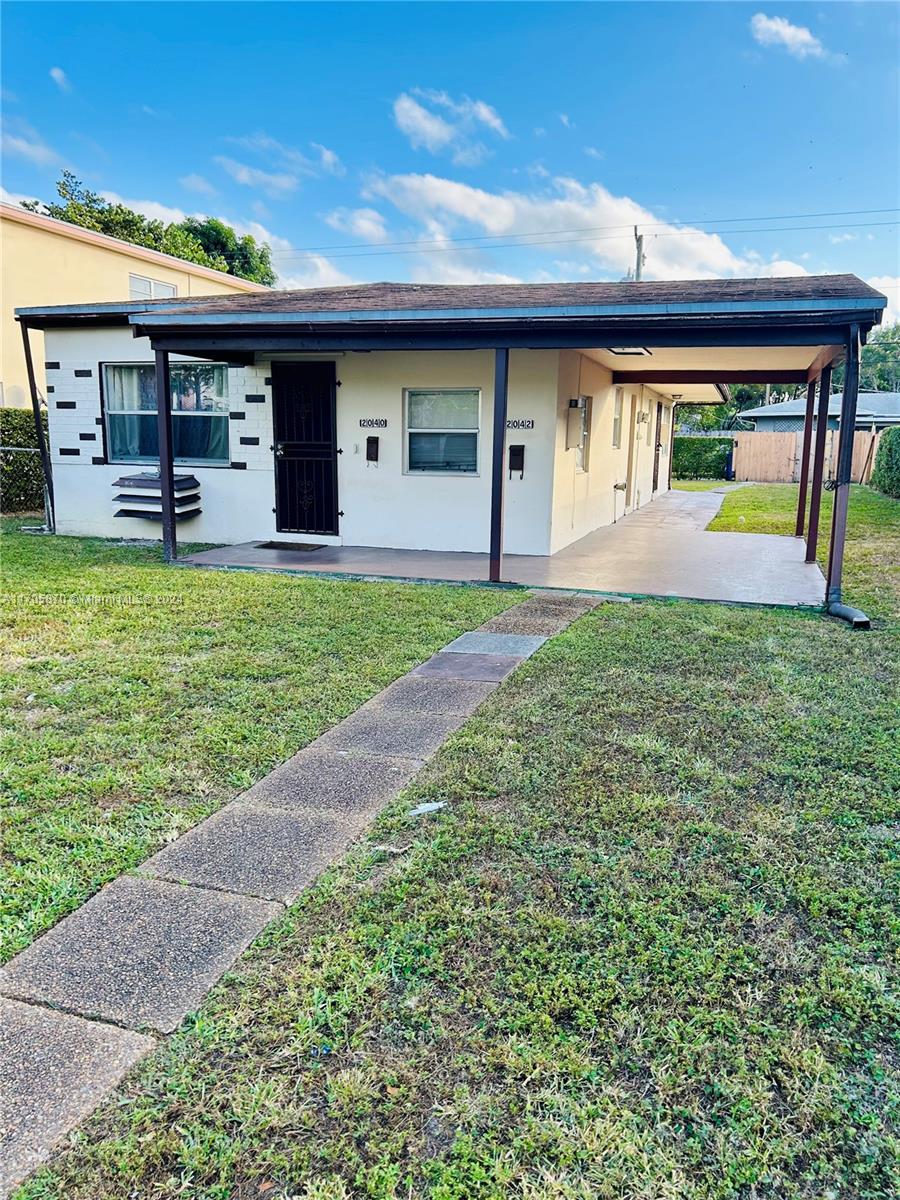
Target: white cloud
x,y
566,120
60,78
593,152
152,209
366,223
197,183
890,286
260,232
15,197
837,238
454,129
272,183
316,271
21,141
276,153
673,252
329,160
421,127
778,31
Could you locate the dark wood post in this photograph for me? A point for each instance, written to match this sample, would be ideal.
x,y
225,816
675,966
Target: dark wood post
x,y
166,457
844,472
815,499
43,449
804,461
501,389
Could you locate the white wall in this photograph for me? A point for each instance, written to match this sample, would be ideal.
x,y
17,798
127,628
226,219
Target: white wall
x,y
382,506
586,500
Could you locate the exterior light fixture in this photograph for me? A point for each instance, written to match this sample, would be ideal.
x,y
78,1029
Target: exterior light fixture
x,y
633,350
677,395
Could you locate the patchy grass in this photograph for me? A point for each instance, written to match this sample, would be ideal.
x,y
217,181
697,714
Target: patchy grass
x,y
697,485
645,951
872,558
137,699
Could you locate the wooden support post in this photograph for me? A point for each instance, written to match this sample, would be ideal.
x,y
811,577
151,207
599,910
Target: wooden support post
x,y
166,456
43,449
844,471
501,389
815,499
804,461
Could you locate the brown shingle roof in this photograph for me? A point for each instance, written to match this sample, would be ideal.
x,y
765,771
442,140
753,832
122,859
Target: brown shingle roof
x,y
392,297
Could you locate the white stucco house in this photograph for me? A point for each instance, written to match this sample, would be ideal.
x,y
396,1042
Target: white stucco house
x,y
436,417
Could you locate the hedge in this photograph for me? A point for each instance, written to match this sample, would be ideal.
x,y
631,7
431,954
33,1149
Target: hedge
x,y
21,475
700,457
886,472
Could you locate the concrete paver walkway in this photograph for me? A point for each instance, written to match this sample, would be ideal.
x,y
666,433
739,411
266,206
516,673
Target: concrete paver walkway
x,y
80,1006
662,549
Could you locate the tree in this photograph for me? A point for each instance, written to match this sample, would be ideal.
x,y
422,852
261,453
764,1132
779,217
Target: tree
x,y
879,369
244,256
207,242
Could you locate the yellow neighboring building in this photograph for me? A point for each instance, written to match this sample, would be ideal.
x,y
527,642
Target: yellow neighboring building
x,y
45,261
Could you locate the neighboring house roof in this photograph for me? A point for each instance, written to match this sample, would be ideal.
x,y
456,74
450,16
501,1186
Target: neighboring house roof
x,y
15,213
870,406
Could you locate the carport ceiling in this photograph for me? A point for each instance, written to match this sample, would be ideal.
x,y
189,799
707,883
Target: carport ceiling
x,y
690,373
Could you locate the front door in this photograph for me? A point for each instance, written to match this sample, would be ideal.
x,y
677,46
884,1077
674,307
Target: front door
x,y
303,406
657,445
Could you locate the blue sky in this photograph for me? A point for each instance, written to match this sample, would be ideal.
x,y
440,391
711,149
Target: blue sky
x,y
337,131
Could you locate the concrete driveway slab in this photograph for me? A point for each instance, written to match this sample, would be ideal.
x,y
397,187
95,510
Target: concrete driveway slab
x,y
262,852
54,1069
141,952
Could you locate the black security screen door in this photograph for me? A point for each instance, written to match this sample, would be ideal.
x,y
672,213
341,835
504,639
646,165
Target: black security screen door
x,y
305,452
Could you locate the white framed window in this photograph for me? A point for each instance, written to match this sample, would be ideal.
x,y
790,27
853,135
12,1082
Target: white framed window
x,y
617,418
142,287
442,427
199,413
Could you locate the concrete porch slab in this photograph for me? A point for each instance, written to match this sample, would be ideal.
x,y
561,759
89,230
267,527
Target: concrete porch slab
x,y
54,1070
663,549
141,953
262,852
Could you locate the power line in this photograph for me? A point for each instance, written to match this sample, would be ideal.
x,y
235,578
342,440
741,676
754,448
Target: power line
x,y
677,226
543,240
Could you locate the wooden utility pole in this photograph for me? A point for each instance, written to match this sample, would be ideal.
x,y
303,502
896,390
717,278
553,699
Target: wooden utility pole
x,y
639,255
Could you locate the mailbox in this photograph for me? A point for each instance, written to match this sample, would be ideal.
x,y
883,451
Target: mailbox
x,y
517,461
372,449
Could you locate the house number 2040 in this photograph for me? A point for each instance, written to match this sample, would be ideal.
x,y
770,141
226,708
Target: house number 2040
x,y
520,423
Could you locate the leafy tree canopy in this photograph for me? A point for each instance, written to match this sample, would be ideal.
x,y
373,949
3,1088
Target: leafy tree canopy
x,y
205,241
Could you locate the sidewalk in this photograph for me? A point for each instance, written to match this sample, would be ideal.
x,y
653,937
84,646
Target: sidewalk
x,y
88,999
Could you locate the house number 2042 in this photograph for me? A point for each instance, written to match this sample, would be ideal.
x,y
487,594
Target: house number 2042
x,y
520,423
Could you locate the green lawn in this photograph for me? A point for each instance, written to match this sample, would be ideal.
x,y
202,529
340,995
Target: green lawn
x,y
697,485
136,699
644,953
872,560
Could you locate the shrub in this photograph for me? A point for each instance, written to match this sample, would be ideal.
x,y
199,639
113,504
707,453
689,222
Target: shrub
x,y
21,474
700,457
886,472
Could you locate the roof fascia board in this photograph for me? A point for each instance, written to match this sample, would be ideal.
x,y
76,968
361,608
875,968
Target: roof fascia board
x,y
179,340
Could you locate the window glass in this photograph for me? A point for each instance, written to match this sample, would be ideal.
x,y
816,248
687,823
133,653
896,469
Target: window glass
x,y
617,419
199,413
140,287
442,430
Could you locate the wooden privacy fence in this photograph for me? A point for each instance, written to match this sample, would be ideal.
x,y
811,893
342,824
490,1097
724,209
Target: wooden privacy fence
x,y
776,457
